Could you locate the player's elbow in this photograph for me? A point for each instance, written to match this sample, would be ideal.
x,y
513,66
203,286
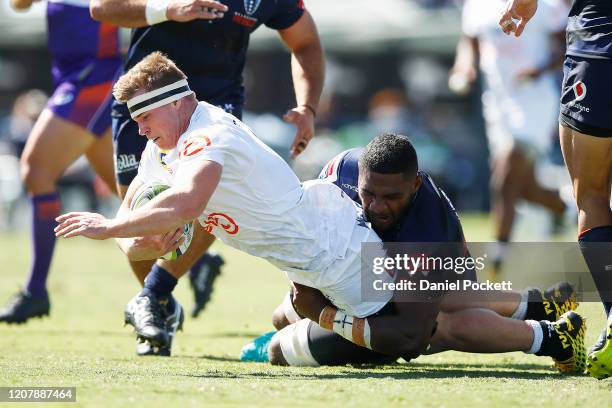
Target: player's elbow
x,y
188,212
414,346
95,9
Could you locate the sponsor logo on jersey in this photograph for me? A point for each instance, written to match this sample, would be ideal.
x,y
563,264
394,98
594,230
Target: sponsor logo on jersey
x,y
251,6
194,145
162,161
580,90
220,220
244,20
125,163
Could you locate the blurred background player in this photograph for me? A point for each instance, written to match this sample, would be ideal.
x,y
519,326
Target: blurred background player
x,y
85,58
519,102
208,41
585,132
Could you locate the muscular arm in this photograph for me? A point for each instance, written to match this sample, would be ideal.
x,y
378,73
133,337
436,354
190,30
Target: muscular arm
x,y
180,204
131,13
405,333
308,72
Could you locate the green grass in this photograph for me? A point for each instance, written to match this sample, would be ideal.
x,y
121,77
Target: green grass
x,y
83,344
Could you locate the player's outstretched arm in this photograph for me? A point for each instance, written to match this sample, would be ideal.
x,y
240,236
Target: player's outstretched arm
x,y
405,334
178,205
140,13
308,72
516,15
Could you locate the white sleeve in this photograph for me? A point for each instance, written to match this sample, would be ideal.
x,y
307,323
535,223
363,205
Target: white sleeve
x,y
470,17
556,13
204,144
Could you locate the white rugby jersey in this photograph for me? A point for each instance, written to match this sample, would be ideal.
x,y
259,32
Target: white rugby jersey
x,y
259,206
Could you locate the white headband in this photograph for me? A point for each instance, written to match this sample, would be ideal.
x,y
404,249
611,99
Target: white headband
x,y
158,97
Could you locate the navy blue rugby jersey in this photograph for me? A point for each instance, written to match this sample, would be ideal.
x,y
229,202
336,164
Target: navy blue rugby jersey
x,y
212,53
431,216
589,29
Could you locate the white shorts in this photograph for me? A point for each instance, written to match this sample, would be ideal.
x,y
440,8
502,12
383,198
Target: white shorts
x,y
527,116
345,277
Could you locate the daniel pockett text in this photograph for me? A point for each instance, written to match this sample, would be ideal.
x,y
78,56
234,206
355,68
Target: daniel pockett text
x,y
418,269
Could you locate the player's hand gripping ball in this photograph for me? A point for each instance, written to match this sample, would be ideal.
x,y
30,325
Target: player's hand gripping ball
x,y
145,194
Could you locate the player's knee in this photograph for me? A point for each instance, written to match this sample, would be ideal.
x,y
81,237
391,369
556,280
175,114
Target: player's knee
x,y
35,178
275,352
279,320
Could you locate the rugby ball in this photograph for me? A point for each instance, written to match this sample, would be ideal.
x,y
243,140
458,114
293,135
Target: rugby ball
x,y
145,194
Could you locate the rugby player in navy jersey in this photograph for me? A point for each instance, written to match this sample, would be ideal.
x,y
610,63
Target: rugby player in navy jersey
x,y
208,40
585,132
404,205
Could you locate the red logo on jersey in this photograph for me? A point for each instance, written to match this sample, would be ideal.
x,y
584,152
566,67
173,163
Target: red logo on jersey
x,y
580,90
220,220
194,145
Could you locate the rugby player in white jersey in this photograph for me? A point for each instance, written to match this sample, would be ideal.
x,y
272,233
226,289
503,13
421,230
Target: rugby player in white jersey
x,y
519,101
238,189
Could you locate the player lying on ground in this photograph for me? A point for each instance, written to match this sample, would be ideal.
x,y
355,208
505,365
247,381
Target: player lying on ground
x,y
242,192
405,205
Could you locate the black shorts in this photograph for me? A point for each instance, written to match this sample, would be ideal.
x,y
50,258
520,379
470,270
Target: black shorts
x,y
586,97
128,145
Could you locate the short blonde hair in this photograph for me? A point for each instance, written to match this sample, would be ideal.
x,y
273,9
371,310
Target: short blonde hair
x,y
152,72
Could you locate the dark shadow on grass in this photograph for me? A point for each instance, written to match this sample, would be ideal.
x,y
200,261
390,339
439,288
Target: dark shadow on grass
x,y
211,358
246,335
411,371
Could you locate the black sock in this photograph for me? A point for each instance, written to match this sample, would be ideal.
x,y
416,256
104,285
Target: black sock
x,y
160,283
535,307
596,248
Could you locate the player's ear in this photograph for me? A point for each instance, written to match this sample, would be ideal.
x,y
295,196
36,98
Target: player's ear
x,y
418,180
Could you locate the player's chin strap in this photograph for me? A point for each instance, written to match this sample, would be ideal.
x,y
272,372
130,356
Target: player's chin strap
x,y
158,97
354,329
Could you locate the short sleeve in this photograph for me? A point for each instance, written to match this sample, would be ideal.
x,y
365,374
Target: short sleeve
x,y
202,145
286,13
470,17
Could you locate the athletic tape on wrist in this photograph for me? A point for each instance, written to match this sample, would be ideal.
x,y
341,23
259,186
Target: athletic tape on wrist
x,y
354,329
155,11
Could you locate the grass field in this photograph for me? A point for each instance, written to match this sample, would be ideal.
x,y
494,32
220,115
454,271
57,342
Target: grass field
x,y
84,345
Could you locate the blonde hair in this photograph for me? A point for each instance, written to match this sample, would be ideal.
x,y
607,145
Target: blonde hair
x,y
152,72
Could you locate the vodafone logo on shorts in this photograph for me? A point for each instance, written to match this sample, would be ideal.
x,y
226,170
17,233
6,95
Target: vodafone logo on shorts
x,y
194,145
220,220
580,90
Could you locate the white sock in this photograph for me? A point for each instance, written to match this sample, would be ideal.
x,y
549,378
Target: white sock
x,y
538,336
521,309
294,344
